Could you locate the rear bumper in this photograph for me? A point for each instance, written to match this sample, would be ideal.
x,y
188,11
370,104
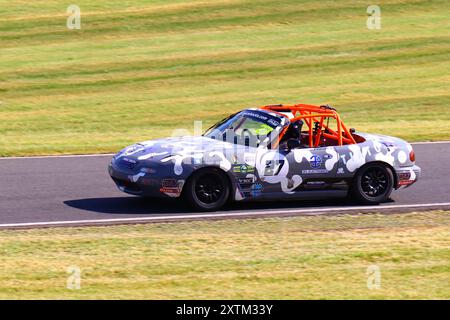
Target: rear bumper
x,y
407,176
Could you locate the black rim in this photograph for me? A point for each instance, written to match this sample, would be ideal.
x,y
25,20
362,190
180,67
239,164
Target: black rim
x,y
209,189
374,182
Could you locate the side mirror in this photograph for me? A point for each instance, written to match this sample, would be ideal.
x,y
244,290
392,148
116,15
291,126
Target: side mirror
x,y
293,144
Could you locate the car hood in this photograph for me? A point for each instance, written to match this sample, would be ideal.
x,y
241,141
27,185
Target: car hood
x,y
162,148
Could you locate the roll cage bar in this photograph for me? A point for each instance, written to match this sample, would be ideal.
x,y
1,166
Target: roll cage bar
x,y
314,117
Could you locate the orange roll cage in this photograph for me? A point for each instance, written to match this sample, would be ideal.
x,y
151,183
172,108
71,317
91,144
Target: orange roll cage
x,y
314,117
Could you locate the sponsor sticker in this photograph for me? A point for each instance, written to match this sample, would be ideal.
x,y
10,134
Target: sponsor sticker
x,y
171,187
246,180
243,168
174,191
404,175
315,183
314,171
315,161
169,183
404,179
405,182
256,189
273,122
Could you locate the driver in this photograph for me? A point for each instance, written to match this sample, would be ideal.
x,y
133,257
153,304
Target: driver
x,y
294,132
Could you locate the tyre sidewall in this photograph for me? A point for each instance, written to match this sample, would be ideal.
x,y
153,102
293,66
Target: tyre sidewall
x,y
192,198
359,194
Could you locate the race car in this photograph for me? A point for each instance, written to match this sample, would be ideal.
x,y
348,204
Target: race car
x,y
272,152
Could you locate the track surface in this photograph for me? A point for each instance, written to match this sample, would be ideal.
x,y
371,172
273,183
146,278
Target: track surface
x,y
78,189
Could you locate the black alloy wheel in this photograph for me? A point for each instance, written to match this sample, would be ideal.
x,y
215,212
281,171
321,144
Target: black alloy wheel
x,y
372,184
207,189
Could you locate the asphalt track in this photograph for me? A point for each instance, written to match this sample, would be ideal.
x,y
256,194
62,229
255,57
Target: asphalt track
x,y
76,190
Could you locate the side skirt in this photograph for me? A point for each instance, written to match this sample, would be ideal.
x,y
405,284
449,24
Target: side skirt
x,y
301,195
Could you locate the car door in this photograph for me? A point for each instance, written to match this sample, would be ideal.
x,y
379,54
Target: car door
x,y
315,166
288,170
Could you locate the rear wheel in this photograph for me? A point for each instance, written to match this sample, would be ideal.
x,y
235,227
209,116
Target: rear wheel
x,y
207,189
373,184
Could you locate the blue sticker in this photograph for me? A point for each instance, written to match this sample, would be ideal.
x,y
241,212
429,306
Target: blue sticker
x,y
256,189
315,161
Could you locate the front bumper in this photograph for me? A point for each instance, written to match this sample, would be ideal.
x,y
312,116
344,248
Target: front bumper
x,y
136,183
407,176
145,182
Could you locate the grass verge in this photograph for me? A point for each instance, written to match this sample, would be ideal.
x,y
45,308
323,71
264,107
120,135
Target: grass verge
x,y
318,257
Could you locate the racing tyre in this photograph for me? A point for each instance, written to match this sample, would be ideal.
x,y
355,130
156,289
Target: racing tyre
x,y
373,184
207,189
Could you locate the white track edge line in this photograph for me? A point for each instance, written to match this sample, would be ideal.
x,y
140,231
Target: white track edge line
x,y
430,142
111,154
218,215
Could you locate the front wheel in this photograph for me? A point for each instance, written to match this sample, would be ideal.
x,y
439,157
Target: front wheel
x,y
207,189
373,184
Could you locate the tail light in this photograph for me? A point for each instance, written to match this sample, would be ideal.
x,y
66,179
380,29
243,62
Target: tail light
x,y
412,156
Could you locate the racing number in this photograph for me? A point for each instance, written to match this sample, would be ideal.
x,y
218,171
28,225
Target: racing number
x,y
273,167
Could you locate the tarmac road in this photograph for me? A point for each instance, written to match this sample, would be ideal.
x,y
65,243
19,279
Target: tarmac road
x,y
76,190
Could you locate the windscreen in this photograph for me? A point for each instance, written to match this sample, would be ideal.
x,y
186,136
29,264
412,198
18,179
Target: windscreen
x,y
248,127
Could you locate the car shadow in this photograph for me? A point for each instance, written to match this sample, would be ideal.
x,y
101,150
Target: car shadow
x,y
137,205
128,205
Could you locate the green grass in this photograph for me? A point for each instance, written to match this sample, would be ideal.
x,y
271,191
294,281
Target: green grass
x,y
321,257
138,69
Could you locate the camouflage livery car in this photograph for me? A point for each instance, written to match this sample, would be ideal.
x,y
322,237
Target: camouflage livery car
x,y
272,152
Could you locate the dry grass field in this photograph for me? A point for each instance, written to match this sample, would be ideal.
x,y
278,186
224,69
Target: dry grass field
x,y
139,69
320,257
